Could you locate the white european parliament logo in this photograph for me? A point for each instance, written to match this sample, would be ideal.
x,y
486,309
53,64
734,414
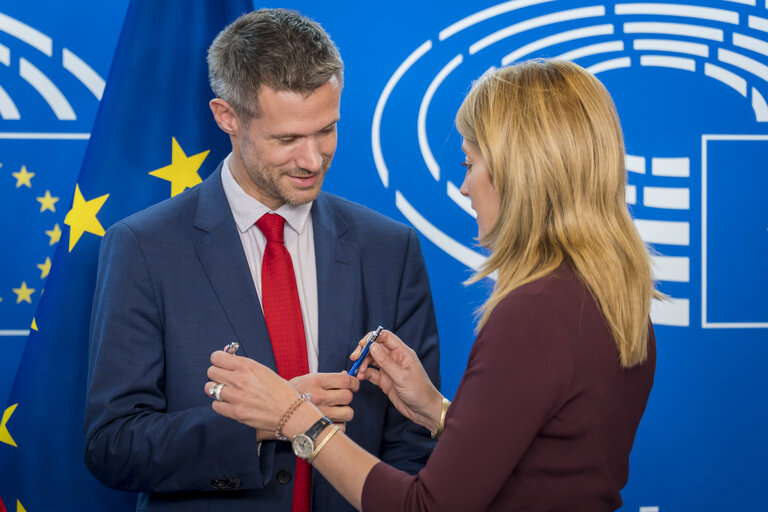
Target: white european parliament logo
x,y
691,160
48,99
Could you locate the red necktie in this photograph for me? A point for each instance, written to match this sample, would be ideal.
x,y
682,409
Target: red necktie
x,y
282,312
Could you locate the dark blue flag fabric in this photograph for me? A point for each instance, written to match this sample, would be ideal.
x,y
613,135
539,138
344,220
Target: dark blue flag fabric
x,y
153,137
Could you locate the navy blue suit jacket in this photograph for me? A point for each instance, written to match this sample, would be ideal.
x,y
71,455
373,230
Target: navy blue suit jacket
x,y
173,286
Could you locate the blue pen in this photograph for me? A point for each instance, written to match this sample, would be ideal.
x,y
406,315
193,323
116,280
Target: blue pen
x,y
371,339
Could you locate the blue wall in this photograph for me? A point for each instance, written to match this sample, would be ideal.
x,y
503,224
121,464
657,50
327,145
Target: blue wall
x,y
690,86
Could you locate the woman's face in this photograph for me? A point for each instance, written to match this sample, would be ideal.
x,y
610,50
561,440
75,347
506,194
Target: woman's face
x,y
479,189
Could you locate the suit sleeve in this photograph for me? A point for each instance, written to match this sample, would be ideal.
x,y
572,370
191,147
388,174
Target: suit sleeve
x,y
517,377
132,442
407,446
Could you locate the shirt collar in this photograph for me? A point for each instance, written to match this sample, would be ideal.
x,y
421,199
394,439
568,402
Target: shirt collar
x,y
247,210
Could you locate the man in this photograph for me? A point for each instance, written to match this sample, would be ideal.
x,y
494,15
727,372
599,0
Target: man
x,y
207,267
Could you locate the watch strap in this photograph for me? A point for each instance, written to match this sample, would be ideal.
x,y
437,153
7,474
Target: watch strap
x,y
314,431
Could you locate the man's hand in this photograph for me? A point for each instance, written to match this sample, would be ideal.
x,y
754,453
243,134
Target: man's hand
x,y
331,393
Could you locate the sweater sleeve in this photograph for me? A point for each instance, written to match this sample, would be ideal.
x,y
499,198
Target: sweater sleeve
x,y
516,379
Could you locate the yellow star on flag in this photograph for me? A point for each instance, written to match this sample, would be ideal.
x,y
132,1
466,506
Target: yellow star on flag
x,y
82,217
55,234
23,293
5,436
20,507
47,202
182,173
34,324
23,177
45,268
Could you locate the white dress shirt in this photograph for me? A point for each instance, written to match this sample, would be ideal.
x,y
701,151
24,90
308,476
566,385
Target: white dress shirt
x,y
299,241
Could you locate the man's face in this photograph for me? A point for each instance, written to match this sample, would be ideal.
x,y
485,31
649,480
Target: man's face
x,y
283,154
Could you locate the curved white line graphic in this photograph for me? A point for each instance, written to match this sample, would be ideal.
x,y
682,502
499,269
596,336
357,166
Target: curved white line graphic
x,y
667,197
5,55
630,194
668,62
674,312
426,153
547,19
744,2
464,202
745,63
29,35
483,15
750,43
456,250
47,90
679,167
569,35
671,268
84,73
8,110
669,45
730,79
635,163
759,106
607,65
378,156
683,11
592,49
675,29
757,23
665,232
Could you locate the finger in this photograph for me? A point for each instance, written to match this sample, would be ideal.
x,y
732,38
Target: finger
x,y
217,374
360,345
333,397
354,384
338,414
224,360
372,375
209,391
383,360
225,409
366,363
340,380
391,341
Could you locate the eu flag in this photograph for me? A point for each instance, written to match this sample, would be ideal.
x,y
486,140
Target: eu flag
x,y
153,137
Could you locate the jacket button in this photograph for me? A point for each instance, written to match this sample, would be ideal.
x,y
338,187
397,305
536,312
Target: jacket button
x,y
283,476
220,483
225,483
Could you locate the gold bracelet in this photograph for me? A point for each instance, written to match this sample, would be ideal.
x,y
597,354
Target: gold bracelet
x,y
319,447
295,405
440,427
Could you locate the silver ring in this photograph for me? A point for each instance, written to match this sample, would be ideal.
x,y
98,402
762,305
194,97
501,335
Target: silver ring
x,y
216,391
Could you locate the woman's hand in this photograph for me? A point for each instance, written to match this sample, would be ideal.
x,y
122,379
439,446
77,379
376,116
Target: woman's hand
x,y
402,378
252,393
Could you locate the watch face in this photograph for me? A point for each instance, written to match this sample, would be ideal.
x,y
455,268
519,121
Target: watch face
x,y
303,446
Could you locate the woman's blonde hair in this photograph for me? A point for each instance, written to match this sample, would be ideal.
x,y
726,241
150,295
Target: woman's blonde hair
x,y
552,141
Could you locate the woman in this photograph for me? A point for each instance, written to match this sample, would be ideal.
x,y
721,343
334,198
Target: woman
x,y
560,372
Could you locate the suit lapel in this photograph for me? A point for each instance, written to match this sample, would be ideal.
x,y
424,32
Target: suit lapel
x,y
221,254
338,287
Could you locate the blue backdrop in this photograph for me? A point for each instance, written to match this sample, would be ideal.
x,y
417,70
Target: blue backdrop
x,y
690,81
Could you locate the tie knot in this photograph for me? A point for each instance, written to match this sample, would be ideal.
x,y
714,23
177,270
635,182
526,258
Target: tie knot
x,y
272,226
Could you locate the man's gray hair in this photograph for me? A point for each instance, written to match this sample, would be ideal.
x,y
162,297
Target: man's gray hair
x,y
275,47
